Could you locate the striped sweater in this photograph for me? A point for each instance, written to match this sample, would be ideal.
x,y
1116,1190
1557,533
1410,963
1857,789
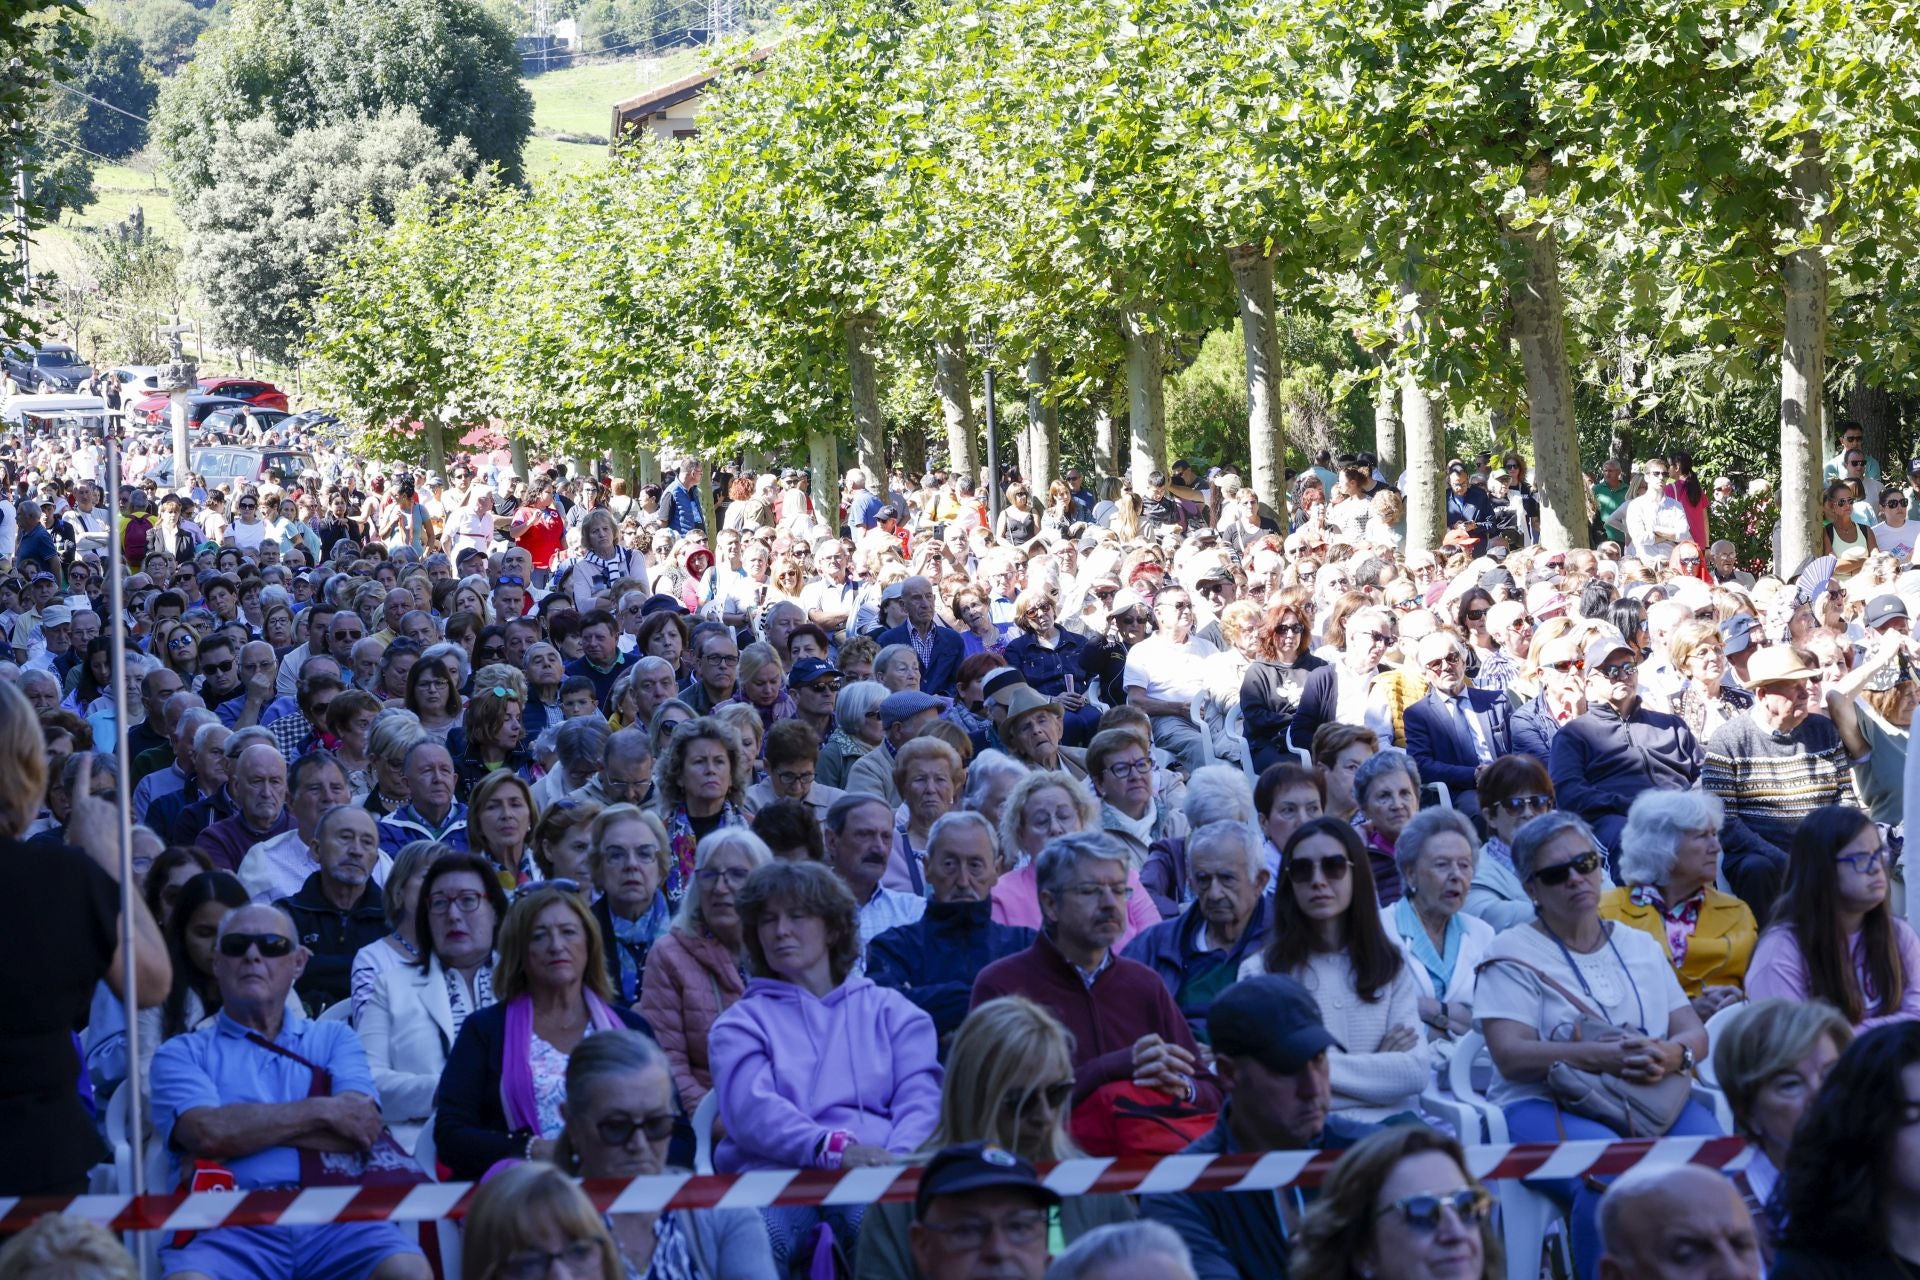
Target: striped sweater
x,y
1770,781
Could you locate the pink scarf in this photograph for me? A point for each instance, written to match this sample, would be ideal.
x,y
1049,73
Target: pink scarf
x,y
516,1065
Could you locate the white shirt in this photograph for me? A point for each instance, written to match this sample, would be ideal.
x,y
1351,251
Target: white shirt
x,y
1654,523
1898,543
276,868
887,909
471,529
1162,669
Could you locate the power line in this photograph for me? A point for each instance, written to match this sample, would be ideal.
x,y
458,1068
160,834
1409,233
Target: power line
x,y
80,93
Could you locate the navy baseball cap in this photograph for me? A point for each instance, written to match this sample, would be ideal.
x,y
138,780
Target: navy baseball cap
x,y
807,670
1271,1019
977,1166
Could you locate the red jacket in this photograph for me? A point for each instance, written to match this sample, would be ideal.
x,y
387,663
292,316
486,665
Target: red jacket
x,y
1126,1001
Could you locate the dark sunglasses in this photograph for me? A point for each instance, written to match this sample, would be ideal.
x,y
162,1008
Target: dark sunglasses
x,y
213,668
1422,1212
1527,804
1616,670
1303,870
1564,665
509,580
1894,502
272,945
1289,629
1558,874
618,1131
1474,615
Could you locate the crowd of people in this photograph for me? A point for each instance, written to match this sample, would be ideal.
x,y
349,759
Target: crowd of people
x,y
522,829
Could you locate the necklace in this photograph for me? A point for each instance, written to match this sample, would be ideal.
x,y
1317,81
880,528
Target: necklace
x,y
412,952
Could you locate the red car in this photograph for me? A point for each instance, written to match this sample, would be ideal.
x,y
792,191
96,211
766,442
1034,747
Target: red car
x,y
153,409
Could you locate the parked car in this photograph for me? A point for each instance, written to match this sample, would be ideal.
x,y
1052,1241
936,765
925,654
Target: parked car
x,y
49,367
138,381
235,419
252,390
154,410
218,464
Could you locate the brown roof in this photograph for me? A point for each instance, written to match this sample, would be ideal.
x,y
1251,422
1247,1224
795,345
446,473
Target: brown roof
x,y
635,109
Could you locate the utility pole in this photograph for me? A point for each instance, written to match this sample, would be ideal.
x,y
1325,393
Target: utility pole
x,y
723,20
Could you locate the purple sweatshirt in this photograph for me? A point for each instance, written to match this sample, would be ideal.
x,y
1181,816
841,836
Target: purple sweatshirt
x,y
790,1067
1779,969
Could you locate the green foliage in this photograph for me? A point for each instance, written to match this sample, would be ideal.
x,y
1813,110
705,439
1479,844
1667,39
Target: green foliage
x,y
263,236
136,281
165,29
114,71
39,43
306,64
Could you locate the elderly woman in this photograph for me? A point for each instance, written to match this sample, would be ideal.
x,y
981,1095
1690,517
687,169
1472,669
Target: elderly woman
x,y
1120,766
1271,689
494,728
402,943
898,668
620,1117
1442,944
1327,936
394,735
929,776
1400,1205
501,1094
696,968
1054,661
702,778
1044,805
979,633
1834,936
416,1010
1513,791
1570,965
628,864
815,1066
991,778
500,822
1670,859
601,562
1008,1083
1770,1060
1699,658
1387,789
856,729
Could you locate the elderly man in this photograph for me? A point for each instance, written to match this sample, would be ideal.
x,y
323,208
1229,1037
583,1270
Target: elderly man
x,y
1456,730
431,812
1562,696
41,688
626,771
980,1214
276,868
1616,749
163,712
339,908
1164,672
902,716
654,683
934,960
259,787
716,669
940,649
859,839
206,786
1270,1053
257,674
1677,1222
680,500
1773,764
183,721
264,1093
1199,953
1126,1027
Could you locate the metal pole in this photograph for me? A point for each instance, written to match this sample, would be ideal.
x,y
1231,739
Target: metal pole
x,y
117,605
993,452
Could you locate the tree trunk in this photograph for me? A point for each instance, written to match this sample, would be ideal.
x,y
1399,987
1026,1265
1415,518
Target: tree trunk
x,y
1043,427
869,442
912,456
1386,425
823,464
1878,414
1620,440
1260,331
646,468
517,448
1146,402
1426,450
436,442
1540,329
951,382
1106,434
1803,364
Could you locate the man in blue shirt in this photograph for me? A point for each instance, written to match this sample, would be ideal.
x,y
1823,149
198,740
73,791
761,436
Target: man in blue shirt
x,y
682,499
863,505
223,1095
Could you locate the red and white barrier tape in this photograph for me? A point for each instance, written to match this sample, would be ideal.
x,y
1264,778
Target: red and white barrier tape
x,y
1136,1175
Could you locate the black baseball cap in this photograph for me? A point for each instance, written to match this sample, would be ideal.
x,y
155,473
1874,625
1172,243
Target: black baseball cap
x,y
1271,1019
977,1166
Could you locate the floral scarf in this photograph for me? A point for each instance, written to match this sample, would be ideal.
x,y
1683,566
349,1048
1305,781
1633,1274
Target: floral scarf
x,y
681,842
1680,919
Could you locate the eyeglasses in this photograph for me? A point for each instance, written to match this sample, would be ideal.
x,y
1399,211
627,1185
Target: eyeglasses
x,y
509,580
1864,863
1656,476
618,1131
272,945
538,1264
787,778
1584,865
1564,666
1131,768
465,903
734,876
970,1236
1527,804
1422,1212
1057,1095
1446,660
1304,870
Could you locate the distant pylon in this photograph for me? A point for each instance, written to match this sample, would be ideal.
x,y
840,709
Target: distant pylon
x,y
723,19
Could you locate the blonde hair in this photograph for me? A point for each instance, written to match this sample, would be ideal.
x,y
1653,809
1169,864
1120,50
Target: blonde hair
x,y
499,779
756,658
916,749
1006,1046
23,762
501,1221
1024,790
515,939
745,718
70,1248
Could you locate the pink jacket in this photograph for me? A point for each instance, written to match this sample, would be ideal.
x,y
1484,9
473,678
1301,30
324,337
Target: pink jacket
x,y
686,983
1016,901
1780,969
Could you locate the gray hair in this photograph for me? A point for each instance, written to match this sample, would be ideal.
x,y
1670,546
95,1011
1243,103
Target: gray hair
x,y
582,743
843,808
620,1051
689,918
1119,1242
1219,836
851,704
988,768
1539,832
251,736
226,921
448,651
630,746
140,665
1064,854
1419,833
1655,823
651,663
35,675
194,719
205,732
1218,793
1378,766
954,819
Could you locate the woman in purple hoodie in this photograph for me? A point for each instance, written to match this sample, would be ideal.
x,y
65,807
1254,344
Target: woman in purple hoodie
x,y
816,1068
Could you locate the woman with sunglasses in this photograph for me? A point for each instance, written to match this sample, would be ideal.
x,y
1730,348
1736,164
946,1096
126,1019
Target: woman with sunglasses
x,y
620,1116
1400,1205
1834,935
1569,964
415,1010
175,644
1840,533
1274,681
1327,936
1009,1084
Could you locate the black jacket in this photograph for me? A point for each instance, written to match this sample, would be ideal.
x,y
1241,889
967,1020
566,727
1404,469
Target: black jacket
x,y
1269,697
334,937
934,960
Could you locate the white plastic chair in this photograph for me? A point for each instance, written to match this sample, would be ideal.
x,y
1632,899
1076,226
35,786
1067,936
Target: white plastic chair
x,y
703,1117
1305,753
1197,711
1526,1215
1716,1027
1236,727
340,1011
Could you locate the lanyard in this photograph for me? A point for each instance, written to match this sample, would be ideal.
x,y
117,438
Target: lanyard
x,y
1582,978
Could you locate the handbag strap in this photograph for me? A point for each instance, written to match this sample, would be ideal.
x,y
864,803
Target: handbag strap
x,y
1580,1006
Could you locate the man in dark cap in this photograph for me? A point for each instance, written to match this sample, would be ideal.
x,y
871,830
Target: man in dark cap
x,y
1270,1055
980,1213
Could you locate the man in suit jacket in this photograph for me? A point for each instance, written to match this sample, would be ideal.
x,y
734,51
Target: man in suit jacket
x,y
1456,730
940,672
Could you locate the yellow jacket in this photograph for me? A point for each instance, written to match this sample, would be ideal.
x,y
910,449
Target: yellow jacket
x,y
1722,942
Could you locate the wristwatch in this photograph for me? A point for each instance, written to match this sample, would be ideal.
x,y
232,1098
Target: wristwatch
x,y
1686,1058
